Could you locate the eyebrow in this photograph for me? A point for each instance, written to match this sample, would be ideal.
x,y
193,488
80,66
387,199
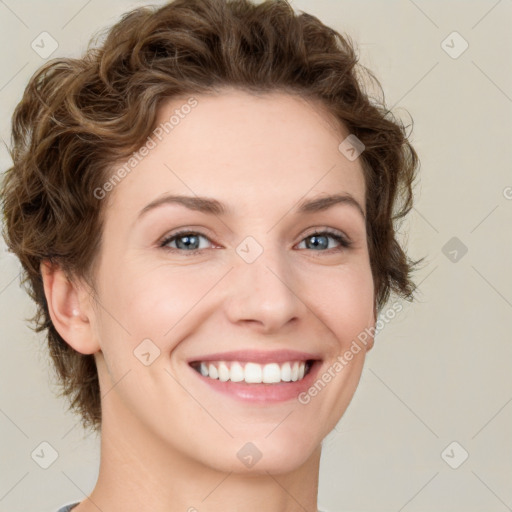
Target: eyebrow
x,y
214,207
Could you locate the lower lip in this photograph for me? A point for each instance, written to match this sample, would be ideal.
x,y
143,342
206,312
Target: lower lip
x,y
263,393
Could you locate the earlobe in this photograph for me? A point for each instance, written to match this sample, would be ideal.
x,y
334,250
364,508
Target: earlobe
x,y
70,312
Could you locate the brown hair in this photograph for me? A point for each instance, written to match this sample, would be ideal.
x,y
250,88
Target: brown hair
x,y
78,117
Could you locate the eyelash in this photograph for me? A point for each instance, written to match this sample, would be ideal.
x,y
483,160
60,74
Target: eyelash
x,y
342,240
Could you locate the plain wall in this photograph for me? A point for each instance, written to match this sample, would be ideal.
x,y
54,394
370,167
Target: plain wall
x,y
440,371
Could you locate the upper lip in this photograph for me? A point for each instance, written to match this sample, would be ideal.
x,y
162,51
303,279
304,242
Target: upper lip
x,y
257,356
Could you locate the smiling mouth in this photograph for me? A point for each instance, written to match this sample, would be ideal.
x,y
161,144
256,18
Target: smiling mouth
x,y
254,373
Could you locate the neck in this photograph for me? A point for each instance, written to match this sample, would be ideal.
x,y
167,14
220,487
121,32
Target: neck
x,y
138,471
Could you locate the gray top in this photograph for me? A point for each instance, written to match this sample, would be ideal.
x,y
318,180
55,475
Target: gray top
x,y
67,508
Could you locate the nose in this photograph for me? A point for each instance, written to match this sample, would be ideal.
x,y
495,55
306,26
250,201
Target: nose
x,y
264,293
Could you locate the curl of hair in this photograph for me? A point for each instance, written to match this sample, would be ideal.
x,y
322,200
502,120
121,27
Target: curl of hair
x,y
78,117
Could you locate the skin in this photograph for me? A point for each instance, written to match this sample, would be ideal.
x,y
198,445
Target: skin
x,y
169,442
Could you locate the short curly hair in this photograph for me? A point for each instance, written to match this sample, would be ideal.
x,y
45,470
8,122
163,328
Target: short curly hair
x,y
79,116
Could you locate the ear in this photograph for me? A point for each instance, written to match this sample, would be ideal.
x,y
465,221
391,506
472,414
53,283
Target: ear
x,y
70,308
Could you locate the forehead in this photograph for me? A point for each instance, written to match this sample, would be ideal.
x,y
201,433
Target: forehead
x,y
268,149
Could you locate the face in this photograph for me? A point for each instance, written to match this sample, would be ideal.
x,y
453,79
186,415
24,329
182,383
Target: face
x,y
249,291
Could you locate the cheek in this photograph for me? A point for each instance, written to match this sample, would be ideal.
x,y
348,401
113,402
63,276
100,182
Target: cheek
x,y
343,300
161,302
153,303
146,312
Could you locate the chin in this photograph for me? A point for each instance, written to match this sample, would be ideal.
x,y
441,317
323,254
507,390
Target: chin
x,y
261,456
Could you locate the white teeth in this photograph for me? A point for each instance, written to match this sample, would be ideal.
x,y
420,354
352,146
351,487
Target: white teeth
x,y
237,372
254,373
212,371
295,371
271,373
286,372
223,372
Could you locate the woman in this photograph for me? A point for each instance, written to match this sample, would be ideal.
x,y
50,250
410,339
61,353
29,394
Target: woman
x,y
204,208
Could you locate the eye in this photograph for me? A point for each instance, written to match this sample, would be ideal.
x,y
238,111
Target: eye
x,y
188,241
320,240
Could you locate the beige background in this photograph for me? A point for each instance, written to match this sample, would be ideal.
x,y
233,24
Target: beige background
x,y
440,370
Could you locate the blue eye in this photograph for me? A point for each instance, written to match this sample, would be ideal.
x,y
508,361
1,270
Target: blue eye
x,y
321,240
189,241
